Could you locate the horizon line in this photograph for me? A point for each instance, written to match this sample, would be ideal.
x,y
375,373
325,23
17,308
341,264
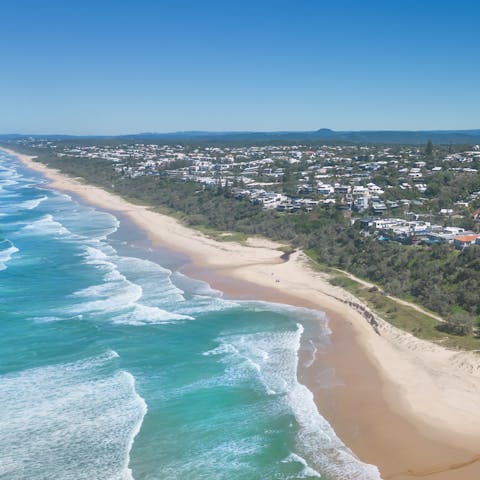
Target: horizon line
x,y
198,131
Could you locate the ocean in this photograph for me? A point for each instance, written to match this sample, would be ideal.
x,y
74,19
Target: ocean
x,y
114,365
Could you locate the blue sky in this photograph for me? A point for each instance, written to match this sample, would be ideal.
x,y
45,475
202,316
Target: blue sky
x,y
108,67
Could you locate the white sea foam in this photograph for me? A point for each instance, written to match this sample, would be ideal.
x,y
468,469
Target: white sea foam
x,y
221,349
109,297
95,256
8,178
68,422
135,297
143,315
6,254
196,287
156,282
32,204
64,196
85,221
114,294
45,226
272,357
160,292
200,304
126,471
258,306
50,319
307,471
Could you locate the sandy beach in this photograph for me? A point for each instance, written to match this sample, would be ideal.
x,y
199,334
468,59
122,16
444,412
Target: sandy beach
x,y
406,405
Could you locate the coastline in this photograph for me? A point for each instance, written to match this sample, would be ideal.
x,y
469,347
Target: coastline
x,y
406,405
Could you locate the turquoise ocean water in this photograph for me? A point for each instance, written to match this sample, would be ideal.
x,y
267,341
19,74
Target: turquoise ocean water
x,y
115,366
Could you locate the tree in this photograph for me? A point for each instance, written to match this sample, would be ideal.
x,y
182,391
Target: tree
x,y
429,149
288,180
458,324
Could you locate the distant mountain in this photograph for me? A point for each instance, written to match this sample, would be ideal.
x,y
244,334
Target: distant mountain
x,y
323,134
465,137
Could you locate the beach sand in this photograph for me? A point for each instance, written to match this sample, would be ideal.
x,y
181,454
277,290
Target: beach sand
x,y
406,405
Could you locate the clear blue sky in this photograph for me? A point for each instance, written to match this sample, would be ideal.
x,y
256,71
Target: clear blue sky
x,y
107,67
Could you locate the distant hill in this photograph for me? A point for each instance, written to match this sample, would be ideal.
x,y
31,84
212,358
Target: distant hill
x,y
438,137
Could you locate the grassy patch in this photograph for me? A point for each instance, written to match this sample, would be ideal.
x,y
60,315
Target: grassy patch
x,y
404,317
220,236
288,249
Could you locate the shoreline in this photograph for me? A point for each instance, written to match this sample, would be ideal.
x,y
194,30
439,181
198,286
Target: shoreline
x,y
408,406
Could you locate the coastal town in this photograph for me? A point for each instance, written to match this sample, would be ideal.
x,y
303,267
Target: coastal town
x,y
390,192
